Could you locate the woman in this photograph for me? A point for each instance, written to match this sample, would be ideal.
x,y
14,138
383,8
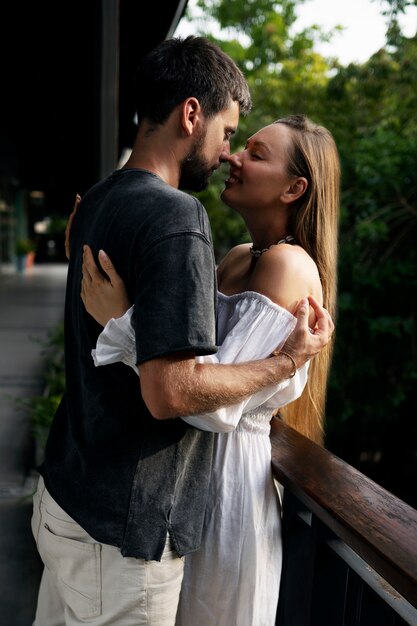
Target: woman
x,y
285,185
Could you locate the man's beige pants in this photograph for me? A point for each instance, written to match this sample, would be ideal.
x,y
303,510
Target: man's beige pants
x,y
85,582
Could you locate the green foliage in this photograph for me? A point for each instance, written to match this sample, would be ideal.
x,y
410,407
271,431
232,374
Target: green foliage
x,y
372,391
41,409
23,246
57,225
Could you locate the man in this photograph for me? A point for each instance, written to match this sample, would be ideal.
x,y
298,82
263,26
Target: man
x,y
123,487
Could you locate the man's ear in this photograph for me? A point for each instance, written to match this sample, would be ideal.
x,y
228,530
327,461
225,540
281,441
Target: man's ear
x,y
190,115
295,190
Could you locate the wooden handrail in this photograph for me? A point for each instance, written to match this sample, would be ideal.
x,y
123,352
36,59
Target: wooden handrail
x,y
379,527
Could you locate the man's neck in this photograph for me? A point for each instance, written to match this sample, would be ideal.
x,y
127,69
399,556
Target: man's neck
x,y
158,151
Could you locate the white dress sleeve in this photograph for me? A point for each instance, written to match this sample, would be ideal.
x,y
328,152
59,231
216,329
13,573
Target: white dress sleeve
x,y
116,342
249,328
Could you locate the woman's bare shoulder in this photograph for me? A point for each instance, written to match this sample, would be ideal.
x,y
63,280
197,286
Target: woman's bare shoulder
x,y
285,274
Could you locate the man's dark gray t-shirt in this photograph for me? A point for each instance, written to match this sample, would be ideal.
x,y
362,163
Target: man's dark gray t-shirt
x,y
124,476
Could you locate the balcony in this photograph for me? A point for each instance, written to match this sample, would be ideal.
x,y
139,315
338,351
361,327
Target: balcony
x,y
350,547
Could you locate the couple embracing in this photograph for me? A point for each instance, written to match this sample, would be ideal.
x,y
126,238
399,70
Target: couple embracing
x,y
156,502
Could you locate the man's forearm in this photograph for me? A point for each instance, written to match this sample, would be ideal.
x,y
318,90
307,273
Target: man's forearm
x,y
215,386
187,388
174,386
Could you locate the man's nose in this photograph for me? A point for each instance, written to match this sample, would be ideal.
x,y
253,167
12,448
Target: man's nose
x,y
225,153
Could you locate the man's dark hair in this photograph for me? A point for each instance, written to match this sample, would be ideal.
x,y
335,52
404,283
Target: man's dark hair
x,y
180,68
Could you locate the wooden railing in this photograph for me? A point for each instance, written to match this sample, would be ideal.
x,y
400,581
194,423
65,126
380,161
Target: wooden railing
x,y
349,546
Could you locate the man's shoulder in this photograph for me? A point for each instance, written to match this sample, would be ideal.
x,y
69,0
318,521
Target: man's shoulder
x,y
179,211
151,188
138,203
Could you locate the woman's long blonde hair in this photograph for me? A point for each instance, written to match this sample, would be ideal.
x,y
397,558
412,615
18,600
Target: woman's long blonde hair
x,y
314,222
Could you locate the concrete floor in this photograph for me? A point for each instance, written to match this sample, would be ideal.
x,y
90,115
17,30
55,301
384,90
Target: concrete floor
x,y
31,304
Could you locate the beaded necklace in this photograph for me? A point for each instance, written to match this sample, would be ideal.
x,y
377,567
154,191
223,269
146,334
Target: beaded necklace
x,y
257,252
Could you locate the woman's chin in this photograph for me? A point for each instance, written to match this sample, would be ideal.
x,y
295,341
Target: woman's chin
x,y
225,195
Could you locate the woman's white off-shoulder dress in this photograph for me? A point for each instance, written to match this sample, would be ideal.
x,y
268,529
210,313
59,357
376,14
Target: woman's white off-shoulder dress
x,y
233,579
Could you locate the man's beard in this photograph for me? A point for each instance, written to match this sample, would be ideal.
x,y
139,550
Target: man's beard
x,y
195,170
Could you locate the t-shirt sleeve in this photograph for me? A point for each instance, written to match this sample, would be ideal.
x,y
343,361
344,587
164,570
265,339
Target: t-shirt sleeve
x,y
175,297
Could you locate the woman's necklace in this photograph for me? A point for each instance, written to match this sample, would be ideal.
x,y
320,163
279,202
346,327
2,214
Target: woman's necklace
x,y
256,252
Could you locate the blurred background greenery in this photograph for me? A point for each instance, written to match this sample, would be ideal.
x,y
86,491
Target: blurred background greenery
x,y
371,110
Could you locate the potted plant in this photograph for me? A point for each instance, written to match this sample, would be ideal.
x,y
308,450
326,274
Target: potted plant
x,y
25,253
